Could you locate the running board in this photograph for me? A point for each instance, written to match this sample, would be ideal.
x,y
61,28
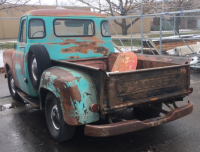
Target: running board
x,y
34,102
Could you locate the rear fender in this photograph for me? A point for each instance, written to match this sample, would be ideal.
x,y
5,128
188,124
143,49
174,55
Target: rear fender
x,y
76,92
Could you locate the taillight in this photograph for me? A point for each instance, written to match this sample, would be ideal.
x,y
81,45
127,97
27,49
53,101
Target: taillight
x,y
94,107
190,90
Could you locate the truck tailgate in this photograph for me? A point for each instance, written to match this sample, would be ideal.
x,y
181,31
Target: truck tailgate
x,y
146,85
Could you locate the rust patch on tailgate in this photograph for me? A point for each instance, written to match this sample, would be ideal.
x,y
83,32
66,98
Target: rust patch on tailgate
x,y
132,86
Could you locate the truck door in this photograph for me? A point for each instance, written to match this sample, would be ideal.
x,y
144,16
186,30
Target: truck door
x,y
19,57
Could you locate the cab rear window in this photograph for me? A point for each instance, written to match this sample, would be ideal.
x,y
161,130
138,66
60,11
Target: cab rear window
x,y
72,27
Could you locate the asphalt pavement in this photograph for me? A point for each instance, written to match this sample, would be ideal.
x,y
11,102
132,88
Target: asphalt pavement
x,y
24,129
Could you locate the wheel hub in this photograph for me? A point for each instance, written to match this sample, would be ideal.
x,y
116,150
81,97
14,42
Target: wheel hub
x,y
55,118
12,83
34,68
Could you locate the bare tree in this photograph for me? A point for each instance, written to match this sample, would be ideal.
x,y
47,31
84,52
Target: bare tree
x,y
119,8
9,5
180,5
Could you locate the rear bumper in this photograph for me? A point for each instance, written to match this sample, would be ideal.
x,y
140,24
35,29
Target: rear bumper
x,y
135,125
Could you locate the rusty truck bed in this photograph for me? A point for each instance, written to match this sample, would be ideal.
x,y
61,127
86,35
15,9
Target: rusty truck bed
x,y
156,78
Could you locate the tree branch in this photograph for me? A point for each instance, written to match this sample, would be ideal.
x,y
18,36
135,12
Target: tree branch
x,y
133,22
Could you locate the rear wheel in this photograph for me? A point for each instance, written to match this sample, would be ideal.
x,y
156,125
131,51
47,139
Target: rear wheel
x,y
12,87
58,129
147,111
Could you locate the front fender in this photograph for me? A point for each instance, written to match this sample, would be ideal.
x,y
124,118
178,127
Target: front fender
x,y
76,92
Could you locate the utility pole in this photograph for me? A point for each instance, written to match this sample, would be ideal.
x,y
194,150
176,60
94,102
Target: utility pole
x,y
163,6
141,27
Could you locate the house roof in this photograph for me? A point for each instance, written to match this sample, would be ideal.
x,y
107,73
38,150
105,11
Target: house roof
x,y
62,12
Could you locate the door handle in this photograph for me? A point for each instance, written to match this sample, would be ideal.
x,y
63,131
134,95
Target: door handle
x,y
22,47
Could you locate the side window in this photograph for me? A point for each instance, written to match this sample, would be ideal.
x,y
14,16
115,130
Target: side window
x,y
105,30
23,31
36,29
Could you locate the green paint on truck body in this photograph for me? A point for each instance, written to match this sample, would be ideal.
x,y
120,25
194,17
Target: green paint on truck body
x,y
78,93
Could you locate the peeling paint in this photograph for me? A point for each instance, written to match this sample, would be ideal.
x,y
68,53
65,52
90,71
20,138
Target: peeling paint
x,y
70,87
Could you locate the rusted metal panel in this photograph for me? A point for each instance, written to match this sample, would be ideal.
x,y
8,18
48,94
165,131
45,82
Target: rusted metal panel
x,y
151,61
62,12
8,60
140,86
85,47
135,125
76,92
145,64
68,64
166,59
111,60
100,63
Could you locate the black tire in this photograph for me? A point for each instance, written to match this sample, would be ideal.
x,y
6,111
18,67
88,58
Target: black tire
x,y
126,114
147,111
13,88
43,62
65,131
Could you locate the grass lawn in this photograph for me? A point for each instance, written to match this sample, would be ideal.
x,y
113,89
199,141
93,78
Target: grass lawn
x,y
127,42
7,45
166,35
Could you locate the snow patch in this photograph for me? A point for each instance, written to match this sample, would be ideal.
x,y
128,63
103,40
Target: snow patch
x,y
9,42
171,51
125,50
194,60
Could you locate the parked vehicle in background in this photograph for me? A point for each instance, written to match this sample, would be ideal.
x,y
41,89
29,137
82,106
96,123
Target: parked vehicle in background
x,y
62,63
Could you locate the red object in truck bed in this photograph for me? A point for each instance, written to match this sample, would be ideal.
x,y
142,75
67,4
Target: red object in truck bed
x,y
126,61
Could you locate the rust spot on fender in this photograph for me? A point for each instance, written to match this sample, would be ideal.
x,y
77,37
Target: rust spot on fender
x,y
67,94
63,74
70,120
85,47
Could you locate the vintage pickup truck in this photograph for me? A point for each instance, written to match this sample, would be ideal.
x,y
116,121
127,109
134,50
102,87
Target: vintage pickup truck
x,y
63,63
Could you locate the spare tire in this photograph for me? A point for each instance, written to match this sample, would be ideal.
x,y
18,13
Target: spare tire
x,y
38,61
